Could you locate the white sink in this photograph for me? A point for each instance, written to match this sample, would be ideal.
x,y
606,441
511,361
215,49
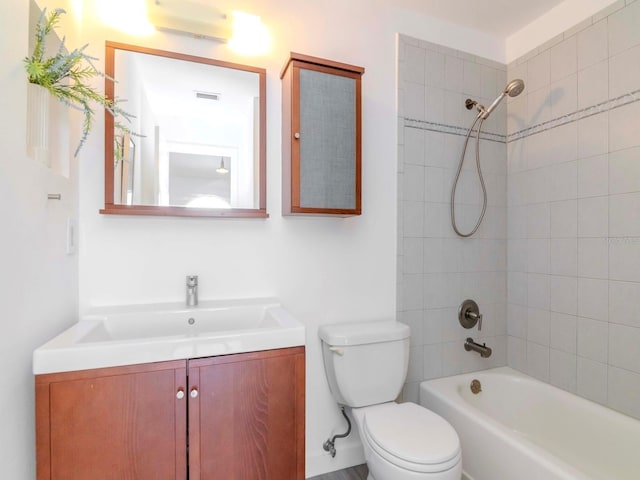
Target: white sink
x,y
126,335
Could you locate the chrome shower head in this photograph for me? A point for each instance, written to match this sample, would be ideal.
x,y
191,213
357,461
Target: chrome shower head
x,y
514,88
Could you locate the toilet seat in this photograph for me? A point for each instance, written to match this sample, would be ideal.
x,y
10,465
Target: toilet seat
x,y
412,437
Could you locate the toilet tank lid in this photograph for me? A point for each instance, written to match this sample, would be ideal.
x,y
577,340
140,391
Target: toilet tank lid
x,y
360,333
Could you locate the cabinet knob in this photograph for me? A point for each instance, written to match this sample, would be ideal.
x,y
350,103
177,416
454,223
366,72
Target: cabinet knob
x,y
296,135
180,394
194,392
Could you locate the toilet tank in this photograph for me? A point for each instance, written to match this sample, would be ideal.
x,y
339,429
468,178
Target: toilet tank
x,y
366,363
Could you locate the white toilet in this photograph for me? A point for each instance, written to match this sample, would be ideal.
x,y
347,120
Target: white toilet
x,y
366,365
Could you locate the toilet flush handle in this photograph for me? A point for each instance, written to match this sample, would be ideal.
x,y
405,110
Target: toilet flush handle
x,y
337,350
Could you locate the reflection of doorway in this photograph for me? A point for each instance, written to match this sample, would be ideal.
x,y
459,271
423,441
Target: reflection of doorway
x,y
125,157
194,181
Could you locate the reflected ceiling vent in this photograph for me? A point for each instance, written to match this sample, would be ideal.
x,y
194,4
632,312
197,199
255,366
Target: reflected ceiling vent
x,y
191,18
208,96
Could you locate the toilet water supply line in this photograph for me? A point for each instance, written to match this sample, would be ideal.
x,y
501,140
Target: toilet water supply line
x,y
329,445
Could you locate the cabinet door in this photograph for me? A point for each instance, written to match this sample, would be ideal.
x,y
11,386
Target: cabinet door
x,y
321,137
122,423
327,138
247,420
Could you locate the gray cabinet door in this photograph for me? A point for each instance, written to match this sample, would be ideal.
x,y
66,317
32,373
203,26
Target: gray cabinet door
x,y
321,137
327,141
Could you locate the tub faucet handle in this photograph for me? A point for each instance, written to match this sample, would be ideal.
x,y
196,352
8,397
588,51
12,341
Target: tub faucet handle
x,y
469,314
477,317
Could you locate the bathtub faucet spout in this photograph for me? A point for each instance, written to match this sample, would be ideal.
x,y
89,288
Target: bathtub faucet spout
x,y
483,350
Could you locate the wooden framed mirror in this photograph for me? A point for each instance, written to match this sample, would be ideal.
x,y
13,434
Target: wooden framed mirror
x,y
198,133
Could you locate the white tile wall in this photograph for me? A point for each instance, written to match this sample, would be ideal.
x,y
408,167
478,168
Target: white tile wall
x,y
624,128
592,380
624,175
593,217
538,360
563,221
625,72
563,370
592,44
539,71
564,256
593,135
538,326
573,202
593,176
593,84
593,298
563,59
564,96
563,294
624,391
563,332
593,338
624,259
563,143
623,28
438,270
624,303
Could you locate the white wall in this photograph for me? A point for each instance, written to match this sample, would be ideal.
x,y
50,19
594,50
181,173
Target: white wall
x,y
38,281
324,269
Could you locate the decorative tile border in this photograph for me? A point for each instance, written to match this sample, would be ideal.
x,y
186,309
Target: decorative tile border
x,y
451,130
602,107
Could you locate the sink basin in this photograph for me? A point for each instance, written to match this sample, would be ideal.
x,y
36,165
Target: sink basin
x,y
126,335
151,322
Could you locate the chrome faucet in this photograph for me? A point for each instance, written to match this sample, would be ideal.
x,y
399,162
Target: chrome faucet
x,y
192,290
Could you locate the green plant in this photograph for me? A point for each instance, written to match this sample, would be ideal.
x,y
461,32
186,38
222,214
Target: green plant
x,y
68,76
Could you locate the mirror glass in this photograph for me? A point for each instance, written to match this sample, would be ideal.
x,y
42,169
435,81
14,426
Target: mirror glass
x,y
196,144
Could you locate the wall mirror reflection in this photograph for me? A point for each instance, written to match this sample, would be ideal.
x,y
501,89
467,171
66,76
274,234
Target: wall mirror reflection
x,y
197,142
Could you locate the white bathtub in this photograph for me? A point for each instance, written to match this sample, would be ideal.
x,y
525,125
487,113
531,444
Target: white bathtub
x,y
519,428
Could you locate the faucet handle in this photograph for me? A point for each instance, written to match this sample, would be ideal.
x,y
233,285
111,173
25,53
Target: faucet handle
x,y
192,280
469,314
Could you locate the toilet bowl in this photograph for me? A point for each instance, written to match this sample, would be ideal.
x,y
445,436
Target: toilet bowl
x,y
366,365
408,442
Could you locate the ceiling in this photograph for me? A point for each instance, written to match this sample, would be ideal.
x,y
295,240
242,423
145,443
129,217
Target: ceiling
x,y
496,17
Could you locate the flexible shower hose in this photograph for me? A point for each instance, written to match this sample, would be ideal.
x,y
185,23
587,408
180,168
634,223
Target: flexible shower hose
x,y
455,183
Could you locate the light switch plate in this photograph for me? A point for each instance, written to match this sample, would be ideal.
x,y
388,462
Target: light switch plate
x,y
72,236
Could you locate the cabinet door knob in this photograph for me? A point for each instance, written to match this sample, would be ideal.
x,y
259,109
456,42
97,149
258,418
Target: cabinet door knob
x,y
296,135
180,394
194,392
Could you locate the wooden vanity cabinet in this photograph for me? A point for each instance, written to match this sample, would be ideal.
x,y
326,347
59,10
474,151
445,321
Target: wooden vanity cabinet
x,y
232,417
112,423
249,420
321,137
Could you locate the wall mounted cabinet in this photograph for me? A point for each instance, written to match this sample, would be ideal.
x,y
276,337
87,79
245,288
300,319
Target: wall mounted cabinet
x,y
228,417
321,137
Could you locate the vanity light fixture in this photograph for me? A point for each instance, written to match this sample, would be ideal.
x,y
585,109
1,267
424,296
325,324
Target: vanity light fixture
x,y
245,33
191,18
222,169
